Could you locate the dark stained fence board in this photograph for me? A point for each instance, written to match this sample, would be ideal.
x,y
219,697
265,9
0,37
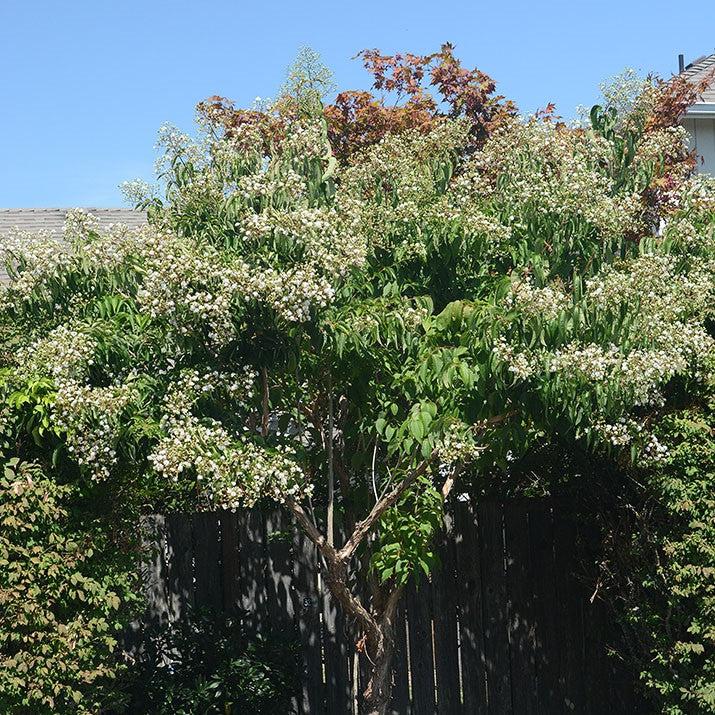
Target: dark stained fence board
x,y
230,561
496,622
419,624
279,571
400,703
569,603
181,565
597,672
252,568
544,572
596,675
208,591
154,568
521,609
307,608
469,605
446,651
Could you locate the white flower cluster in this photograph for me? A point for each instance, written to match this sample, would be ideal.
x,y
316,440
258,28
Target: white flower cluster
x,y
331,238
669,305
404,164
65,352
30,259
639,372
79,225
547,302
458,445
293,294
89,417
289,186
618,434
654,450
231,471
191,385
553,171
136,191
520,363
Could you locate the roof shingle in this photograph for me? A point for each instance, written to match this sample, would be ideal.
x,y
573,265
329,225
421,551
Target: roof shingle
x,y
699,70
53,219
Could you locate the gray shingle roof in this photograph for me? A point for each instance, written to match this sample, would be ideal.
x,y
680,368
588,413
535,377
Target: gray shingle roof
x,y
53,219
699,70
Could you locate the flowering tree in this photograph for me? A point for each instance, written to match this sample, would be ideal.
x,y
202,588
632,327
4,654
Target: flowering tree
x,y
347,337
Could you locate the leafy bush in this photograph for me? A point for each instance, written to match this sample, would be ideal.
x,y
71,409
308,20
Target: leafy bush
x,y
209,665
670,566
60,602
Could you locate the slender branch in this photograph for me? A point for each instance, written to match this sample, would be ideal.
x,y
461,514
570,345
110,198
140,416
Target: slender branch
x,y
450,480
336,572
266,410
364,527
374,485
331,473
306,523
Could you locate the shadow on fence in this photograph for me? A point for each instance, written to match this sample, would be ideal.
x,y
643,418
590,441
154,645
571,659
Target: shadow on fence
x,y
503,627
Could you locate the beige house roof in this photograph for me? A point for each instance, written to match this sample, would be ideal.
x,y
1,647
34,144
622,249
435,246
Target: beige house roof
x,y
53,219
701,69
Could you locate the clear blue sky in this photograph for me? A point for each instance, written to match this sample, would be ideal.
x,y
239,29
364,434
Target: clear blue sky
x,y
85,84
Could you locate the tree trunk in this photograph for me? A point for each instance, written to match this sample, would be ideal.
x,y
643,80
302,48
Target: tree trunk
x,y
376,696
380,651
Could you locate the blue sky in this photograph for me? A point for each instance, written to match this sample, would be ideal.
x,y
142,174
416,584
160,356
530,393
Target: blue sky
x,y
84,85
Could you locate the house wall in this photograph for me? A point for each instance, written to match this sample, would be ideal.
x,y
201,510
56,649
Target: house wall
x,y
702,139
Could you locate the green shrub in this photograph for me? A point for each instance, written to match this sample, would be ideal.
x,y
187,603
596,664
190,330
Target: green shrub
x,y
60,602
672,609
210,665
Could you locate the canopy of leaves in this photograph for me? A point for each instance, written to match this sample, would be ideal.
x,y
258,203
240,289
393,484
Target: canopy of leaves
x,y
310,301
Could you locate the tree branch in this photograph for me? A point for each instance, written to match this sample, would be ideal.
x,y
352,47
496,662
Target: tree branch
x,y
265,416
336,574
364,527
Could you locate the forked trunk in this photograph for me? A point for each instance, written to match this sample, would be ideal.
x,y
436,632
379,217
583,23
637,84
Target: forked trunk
x,y
380,651
376,696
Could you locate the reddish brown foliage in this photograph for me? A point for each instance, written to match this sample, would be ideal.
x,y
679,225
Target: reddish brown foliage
x,y
359,119
221,112
674,96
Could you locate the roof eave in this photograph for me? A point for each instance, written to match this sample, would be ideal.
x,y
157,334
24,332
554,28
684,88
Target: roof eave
x,y
705,110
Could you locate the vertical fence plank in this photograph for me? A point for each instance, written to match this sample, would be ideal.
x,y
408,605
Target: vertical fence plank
x,y
469,597
181,566
308,617
521,608
570,599
419,623
597,673
338,648
400,702
496,622
279,571
547,653
252,565
207,562
446,652
154,568
230,561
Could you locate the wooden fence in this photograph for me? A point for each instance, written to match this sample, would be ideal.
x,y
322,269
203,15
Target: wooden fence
x,y
503,627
